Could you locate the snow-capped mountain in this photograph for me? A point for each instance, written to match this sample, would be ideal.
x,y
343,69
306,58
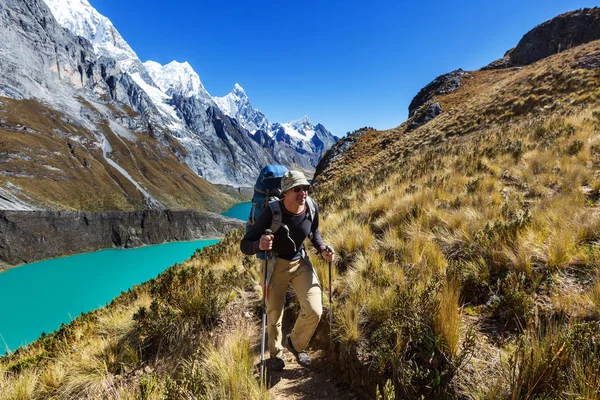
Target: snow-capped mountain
x,y
81,19
298,133
303,137
177,78
221,135
301,129
237,105
80,133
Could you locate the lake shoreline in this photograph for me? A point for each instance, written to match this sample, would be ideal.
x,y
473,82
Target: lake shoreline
x,y
6,267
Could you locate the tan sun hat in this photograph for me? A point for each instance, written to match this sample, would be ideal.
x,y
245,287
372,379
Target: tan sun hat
x,y
291,179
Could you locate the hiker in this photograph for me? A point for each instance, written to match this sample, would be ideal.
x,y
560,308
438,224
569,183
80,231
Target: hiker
x,y
290,264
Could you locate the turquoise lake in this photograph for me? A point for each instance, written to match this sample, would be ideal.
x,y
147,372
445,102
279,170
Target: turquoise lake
x,y
239,211
39,297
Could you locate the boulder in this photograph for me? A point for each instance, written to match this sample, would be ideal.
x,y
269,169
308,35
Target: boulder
x,y
424,114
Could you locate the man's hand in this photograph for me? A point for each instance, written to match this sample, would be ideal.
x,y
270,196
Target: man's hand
x,y
266,242
328,254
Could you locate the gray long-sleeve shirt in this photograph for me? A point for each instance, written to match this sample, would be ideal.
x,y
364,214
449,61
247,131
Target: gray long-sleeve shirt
x,y
287,246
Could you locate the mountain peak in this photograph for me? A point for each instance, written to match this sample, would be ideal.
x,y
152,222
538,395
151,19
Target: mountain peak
x,y
178,77
236,104
180,65
300,122
238,89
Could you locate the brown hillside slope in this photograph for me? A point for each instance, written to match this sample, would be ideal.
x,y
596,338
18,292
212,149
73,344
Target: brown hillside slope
x,y
48,162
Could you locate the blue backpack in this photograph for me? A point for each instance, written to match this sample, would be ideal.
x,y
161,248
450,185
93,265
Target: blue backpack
x,y
267,193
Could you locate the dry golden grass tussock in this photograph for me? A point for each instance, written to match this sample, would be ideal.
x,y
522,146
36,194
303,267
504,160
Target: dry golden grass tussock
x,y
90,374
489,203
19,387
466,220
351,237
374,206
538,162
587,226
595,297
52,378
423,254
256,277
377,305
407,206
118,322
391,243
558,250
348,323
356,291
584,379
322,269
568,299
574,177
557,232
354,286
520,255
225,263
229,368
448,320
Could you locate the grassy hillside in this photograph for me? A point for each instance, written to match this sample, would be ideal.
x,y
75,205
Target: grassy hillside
x,y
470,245
468,266
53,163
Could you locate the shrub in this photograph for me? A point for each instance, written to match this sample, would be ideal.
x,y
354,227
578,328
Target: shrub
x,y
516,305
574,148
190,303
407,347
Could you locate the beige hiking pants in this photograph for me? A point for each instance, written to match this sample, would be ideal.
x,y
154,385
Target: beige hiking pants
x,y
308,291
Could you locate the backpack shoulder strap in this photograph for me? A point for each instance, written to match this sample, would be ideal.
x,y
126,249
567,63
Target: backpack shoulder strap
x,y
277,215
311,208
311,214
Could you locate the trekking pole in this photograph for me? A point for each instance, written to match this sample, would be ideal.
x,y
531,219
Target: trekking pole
x,y
329,250
264,317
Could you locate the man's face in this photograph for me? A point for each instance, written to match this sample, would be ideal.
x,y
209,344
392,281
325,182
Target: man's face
x,y
298,197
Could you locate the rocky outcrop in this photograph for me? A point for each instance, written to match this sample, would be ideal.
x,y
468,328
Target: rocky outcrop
x,y
559,34
443,84
551,37
423,108
337,151
27,236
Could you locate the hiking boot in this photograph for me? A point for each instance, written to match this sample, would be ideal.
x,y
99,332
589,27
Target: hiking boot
x,y
302,357
275,364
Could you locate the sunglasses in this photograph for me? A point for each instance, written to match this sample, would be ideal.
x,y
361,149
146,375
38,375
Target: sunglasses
x,y
299,188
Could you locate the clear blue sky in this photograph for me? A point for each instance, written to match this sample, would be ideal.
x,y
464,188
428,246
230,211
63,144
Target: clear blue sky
x,y
345,64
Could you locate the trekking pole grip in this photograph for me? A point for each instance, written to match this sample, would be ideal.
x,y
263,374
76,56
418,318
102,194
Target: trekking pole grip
x,y
268,252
